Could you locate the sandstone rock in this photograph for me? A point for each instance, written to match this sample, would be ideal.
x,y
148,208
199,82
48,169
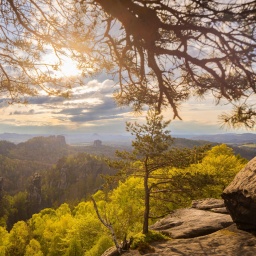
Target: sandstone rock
x,y
225,242
210,204
34,190
229,241
240,197
188,223
222,210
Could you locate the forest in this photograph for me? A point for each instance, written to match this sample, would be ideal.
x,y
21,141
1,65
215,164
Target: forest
x,y
52,213
62,200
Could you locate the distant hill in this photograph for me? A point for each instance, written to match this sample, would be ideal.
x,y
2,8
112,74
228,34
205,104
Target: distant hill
x,y
228,138
67,173
47,150
188,143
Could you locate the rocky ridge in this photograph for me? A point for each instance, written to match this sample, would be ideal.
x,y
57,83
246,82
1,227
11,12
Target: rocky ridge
x,y
204,229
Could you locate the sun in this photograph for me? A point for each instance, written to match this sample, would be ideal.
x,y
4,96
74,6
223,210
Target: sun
x,y
69,68
62,66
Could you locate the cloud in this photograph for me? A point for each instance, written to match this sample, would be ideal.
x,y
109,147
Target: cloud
x,y
91,108
45,99
4,103
106,108
17,112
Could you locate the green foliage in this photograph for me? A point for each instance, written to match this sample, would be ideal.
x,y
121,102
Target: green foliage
x,y
184,157
6,147
4,238
61,232
207,178
125,209
73,178
150,148
41,149
75,248
33,248
14,170
102,245
18,239
17,208
79,232
142,241
151,139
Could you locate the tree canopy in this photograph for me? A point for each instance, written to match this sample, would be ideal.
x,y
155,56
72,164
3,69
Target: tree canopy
x,y
162,51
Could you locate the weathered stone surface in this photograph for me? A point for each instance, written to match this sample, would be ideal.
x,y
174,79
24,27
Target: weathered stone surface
x,y
207,203
188,223
210,204
240,197
188,229
226,242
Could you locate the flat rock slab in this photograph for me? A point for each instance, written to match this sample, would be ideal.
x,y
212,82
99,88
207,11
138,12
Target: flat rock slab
x,y
208,203
189,223
226,242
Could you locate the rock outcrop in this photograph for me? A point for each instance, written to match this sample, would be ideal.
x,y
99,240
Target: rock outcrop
x,y
97,143
199,230
240,197
229,241
189,223
35,193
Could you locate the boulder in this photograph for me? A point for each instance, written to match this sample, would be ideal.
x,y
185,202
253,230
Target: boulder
x,y
240,197
191,222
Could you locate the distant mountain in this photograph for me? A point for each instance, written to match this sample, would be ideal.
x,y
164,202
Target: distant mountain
x,y
229,138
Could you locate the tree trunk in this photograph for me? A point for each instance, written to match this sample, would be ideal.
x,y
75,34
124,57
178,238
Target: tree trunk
x,y
146,202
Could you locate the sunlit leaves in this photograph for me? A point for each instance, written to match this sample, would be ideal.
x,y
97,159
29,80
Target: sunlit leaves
x,y
33,248
18,239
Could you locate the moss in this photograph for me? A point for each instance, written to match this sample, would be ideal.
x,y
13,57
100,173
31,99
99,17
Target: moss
x,y
142,241
227,232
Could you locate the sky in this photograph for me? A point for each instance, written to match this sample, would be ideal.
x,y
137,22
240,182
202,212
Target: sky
x,y
92,109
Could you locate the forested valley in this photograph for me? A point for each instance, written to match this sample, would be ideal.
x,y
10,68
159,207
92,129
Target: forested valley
x,y
156,56
46,188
